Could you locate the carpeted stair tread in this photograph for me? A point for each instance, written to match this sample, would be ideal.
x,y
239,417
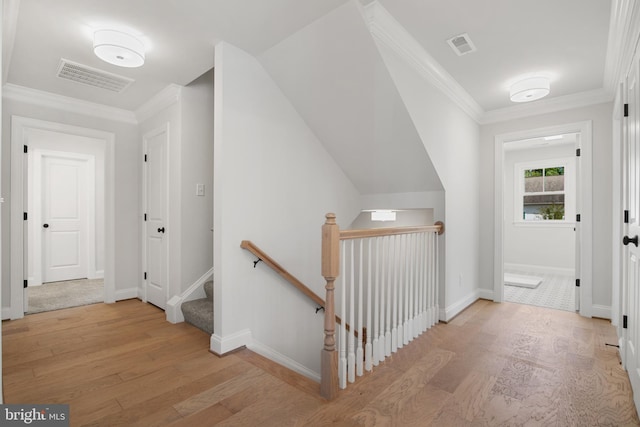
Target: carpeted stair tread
x,y
208,289
199,313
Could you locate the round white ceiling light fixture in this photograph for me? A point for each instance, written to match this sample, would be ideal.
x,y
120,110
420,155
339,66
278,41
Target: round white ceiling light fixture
x,y
118,48
529,89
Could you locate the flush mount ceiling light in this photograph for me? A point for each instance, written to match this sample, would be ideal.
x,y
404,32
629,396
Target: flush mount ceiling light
x,y
118,48
529,89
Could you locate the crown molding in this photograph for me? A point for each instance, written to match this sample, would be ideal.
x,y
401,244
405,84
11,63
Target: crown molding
x,y
547,105
10,10
385,29
66,103
163,99
624,32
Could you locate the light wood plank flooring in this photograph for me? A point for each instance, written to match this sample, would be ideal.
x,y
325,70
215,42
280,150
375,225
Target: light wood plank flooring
x,y
495,364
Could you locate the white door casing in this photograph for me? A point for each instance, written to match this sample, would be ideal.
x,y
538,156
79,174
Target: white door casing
x,y
631,229
583,207
156,234
22,129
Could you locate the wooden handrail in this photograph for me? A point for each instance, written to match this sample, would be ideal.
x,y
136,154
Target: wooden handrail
x,y
438,227
251,247
248,245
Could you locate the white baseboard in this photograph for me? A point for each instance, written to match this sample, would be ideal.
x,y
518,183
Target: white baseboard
x,y
122,294
6,313
98,274
486,294
195,291
602,311
539,269
454,309
222,345
271,354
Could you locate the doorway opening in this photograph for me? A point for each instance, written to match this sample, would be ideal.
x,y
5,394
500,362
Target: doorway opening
x,y
543,217
62,200
540,221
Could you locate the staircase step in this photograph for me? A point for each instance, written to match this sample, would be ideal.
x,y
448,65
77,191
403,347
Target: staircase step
x,y
199,313
208,289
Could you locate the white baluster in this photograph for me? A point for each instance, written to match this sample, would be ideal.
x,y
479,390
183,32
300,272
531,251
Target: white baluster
x,y
408,317
387,335
395,261
360,350
342,371
402,254
351,357
377,307
436,279
423,288
368,350
429,282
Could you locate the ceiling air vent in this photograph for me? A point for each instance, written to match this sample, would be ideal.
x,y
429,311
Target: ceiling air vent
x,y
93,77
461,44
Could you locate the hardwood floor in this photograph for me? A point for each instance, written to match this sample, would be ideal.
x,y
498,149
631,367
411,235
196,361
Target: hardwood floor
x,y
495,364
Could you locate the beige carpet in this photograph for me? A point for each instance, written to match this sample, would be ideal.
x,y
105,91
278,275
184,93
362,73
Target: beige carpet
x,y
58,295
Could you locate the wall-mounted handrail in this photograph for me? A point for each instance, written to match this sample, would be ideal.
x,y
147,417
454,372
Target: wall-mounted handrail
x,y
262,256
251,247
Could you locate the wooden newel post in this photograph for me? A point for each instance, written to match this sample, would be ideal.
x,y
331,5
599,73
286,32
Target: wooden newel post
x,y
330,271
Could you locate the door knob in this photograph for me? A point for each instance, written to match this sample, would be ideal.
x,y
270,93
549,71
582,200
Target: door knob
x,y
45,225
161,230
626,240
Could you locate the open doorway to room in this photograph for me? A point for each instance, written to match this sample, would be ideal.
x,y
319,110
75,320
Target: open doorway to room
x,y
540,221
543,217
61,188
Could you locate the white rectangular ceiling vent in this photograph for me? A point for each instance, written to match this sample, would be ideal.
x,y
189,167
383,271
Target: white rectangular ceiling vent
x,y
93,77
462,44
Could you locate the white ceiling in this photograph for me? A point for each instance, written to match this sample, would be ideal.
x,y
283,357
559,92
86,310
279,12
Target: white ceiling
x,y
567,39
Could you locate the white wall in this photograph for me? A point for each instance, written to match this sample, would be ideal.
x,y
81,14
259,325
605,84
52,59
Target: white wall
x,y
197,168
602,178
539,244
273,184
127,184
451,139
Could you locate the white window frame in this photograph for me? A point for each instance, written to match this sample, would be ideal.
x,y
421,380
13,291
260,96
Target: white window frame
x,y
569,164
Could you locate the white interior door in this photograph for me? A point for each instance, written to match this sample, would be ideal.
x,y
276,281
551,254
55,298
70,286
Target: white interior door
x,y
631,253
64,216
156,214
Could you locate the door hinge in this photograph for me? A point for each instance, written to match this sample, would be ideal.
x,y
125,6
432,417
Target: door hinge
x,y
145,157
145,217
578,152
24,216
25,283
145,275
25,149
626,217
624,321
626,110
577,283
578,218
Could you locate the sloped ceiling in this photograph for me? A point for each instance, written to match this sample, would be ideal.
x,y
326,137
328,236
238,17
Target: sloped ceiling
x,y
333,74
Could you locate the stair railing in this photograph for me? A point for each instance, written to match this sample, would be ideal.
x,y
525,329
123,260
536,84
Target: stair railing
x,y
388,286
